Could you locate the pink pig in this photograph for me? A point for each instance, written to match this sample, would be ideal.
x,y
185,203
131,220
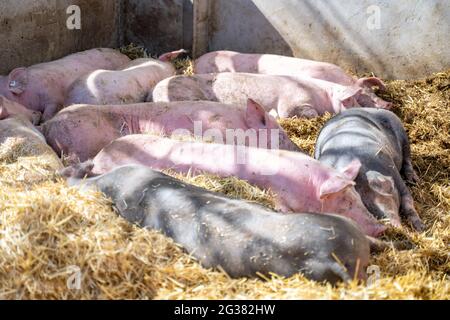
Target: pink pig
x,y
10,108
81,131
230,61
288,96
42,87
130,84
300,183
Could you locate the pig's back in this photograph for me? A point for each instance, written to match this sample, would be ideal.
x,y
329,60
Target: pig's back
x,y
357,133
271,64
204,115
100,58
226,61
66,70
268,90
290,66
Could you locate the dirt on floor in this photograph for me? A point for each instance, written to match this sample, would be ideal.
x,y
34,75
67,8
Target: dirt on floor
x,y
57,242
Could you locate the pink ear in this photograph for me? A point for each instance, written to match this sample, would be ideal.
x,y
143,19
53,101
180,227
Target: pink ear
x,y
255,115
169,56
351,170
18,80
351,92
334,185
349,97
371,82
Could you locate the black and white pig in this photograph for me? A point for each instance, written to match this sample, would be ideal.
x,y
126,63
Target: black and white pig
x,y
378,140
241,237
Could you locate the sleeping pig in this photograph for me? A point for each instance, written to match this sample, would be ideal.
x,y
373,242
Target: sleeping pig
x,y
378,140
130,84
240,237
10,108
42,87
81,131
299,182
288,96
19,138
230,61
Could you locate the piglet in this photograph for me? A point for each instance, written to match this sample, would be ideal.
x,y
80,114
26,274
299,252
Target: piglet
x,y
130,84
42,87
81,131
242,238
230,61
288,96
299,182
378,140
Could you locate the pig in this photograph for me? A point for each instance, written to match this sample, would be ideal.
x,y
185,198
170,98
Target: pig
x,y
230,61
299,182
42,87
81,131
20,138
287,96
10,108
130,84
242,238
378,140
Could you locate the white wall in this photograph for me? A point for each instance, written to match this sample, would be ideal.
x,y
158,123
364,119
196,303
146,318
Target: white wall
x,y
410,41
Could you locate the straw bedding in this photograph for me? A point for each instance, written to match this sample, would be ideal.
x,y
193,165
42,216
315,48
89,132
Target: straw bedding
x,y
51,234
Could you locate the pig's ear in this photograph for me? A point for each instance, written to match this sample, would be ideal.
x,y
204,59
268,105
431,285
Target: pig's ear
x,y
380,183
349,98
334,185
351,170
371,82
169,56
18,80
256,117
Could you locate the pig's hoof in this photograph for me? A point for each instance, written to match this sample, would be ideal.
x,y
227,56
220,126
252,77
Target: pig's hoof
x,y
417,224
412,178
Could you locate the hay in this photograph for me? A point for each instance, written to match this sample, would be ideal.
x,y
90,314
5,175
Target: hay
x,y
134,51
230,186
184,66
49,231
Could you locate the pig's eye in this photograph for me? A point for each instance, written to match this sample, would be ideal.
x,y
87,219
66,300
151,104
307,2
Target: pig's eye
x,y
13,84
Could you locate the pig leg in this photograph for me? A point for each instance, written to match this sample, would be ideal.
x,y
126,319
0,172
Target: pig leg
x,y
333,270
407,170
407,209
49,111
